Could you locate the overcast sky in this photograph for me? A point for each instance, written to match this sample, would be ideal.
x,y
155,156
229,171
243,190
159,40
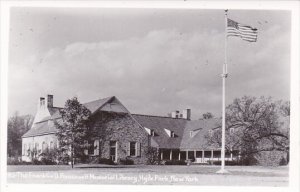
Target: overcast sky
x,y
154,60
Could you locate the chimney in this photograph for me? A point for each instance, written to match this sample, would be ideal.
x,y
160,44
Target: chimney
x,y
49,100
173,114
186,114
41,102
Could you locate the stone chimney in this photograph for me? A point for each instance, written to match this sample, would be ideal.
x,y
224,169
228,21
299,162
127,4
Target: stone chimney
x,y
41,102
186,114
49,100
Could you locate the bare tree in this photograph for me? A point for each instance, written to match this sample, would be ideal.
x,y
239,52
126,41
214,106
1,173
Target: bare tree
x,y
207,115
253,125
16,127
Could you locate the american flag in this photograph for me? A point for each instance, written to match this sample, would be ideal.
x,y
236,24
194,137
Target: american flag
x,y
245,32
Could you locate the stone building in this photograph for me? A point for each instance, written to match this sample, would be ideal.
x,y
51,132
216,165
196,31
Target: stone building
x,y
120,134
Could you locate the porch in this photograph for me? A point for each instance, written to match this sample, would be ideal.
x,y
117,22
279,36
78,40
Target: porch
x,y
197,156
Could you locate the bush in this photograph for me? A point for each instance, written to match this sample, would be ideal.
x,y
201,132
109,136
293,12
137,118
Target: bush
x,y
105,161
152,156
49,157
126,161
175,162
231,163
283,161
271,158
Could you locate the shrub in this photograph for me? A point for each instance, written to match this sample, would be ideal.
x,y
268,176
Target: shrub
x,y
126,161
231,163
271,158
49,157
13,161
283,161
152,156
105,161
175,162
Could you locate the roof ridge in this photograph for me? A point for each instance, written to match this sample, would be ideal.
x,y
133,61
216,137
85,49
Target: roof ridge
x,y
160,116
106,98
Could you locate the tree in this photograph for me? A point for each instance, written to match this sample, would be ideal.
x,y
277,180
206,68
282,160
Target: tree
x,y
16,127
73,130
253,125
207,115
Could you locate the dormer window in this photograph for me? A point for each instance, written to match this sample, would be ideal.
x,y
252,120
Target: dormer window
x,y
152,133
170,133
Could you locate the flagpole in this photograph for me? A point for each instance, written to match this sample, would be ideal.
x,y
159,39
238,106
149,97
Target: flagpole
x,y
224,76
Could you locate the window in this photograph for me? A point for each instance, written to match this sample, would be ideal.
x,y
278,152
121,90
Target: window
x,y
231,130
210,133
152,133
132,149
51,145
36,146
91,148
172,134
44,146
191,133
113,147
24,149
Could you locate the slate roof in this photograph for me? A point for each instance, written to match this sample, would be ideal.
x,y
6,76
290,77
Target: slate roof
x,y
180,127
159,124
43,127
200,129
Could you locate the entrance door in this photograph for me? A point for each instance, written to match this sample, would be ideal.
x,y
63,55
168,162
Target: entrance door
x,y
113,150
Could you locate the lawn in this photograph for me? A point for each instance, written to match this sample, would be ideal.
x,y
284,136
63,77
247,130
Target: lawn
x,y
135,174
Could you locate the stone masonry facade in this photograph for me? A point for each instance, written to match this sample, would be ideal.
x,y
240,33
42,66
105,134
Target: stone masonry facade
x,y
122,129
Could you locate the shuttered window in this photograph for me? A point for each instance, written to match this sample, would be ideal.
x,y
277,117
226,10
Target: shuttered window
x,y
134,149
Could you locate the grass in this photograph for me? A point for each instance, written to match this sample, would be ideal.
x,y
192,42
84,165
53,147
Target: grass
x,y
138,174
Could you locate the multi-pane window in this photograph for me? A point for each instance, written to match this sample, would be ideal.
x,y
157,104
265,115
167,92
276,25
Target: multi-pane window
x,y
51,145
132,149
44,146
91,148
172,134
24,150
113,147
152,133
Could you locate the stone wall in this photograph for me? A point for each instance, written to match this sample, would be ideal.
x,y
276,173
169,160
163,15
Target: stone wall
x,y
123,129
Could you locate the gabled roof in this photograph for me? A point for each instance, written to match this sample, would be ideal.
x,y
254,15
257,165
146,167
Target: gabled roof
x,y
93,106
159,124
201,128
42,128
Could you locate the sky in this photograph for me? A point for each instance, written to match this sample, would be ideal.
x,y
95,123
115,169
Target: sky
x,y
153,60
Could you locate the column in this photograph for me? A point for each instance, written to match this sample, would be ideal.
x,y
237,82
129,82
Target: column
x,y
179,156
187,154
195,154
171,154
202,156
161,154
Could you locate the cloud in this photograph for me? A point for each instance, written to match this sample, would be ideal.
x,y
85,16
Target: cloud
x,y
156,73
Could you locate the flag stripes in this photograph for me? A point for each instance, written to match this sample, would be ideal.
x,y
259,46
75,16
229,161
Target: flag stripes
x,y
245,32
